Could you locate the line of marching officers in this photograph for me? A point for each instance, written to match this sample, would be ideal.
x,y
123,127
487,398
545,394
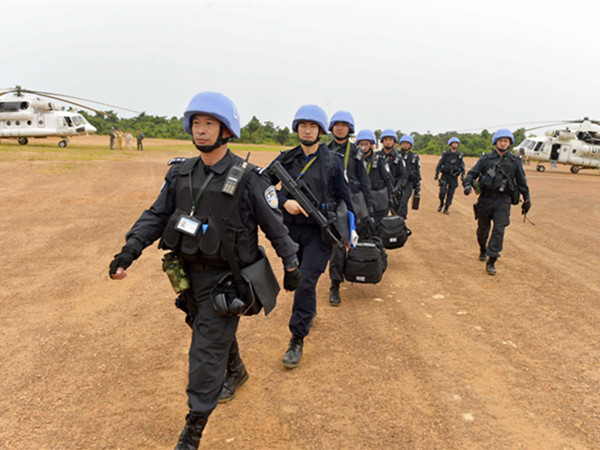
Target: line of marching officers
x,y
209,209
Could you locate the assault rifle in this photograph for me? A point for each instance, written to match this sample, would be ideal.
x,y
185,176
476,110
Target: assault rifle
x,y
304,196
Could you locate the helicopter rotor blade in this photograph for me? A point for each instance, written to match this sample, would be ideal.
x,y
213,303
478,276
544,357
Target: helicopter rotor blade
x,y
505,125
62,97
49,94
73,103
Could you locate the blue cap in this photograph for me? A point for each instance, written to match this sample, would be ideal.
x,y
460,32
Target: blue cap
x,y
311,113
342,116
216,105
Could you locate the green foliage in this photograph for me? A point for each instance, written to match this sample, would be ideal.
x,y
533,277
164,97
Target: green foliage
x,y
255,132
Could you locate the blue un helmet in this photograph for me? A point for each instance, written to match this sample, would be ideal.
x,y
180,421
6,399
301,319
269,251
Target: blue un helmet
x,y
342,116
388,132
311,113
407,138
503,133
366,135
215,105
452,140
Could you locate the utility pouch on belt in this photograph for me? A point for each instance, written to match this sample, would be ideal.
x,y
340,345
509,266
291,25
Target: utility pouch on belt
x,y
172,265
475,209
416,200
259,289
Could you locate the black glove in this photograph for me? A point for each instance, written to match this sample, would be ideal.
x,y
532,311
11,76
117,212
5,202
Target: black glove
x,y
468,189
526,206
291,279
436,177
123,259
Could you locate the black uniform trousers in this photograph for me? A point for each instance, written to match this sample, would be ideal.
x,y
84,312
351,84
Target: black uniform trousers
x,y
494,208
313,255
402,208
213,337
448,185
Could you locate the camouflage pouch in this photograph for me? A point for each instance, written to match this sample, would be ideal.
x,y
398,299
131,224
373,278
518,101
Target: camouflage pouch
x,y
172,265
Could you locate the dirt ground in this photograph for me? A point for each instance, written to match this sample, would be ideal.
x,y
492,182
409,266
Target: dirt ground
x,y
438,355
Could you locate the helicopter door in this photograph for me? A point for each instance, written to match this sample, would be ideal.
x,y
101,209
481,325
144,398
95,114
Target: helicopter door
x,y
555,152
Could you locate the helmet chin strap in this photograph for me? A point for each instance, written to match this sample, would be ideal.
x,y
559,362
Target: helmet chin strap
x,y
219,142
310,143
341,138
388,148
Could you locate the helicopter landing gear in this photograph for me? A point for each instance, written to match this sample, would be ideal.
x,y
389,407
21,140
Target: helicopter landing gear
x,y
23,140
540,168
575,169
62,144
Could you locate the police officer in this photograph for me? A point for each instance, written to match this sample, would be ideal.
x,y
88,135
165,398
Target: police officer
x,y
380,175
413,168
182,217
341,126
322,171
396,164
451,164
501,178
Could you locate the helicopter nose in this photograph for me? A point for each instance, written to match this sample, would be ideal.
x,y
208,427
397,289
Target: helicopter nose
x,y
89,128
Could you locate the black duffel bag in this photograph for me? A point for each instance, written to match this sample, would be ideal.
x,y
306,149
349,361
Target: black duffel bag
x,y
393,232
366,262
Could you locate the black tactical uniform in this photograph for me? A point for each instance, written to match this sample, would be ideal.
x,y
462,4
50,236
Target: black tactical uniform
x,y
413,169
325,178
382,183
502,180
213,336
360,185
399,173
451,164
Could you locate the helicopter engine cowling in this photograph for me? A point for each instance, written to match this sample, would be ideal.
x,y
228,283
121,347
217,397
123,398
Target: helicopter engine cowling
x,y
40,105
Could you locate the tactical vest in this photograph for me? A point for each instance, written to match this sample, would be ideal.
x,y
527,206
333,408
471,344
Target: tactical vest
x,y
451,163
316,178
411,161
351,161
499,175
377,181
206,248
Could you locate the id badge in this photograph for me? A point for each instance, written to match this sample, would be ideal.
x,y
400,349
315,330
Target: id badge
x,y
188,225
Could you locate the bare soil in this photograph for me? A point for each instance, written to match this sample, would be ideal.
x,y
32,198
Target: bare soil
x,y
438,355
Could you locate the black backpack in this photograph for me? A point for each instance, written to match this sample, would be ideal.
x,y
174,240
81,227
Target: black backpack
x,y
366,262
393,232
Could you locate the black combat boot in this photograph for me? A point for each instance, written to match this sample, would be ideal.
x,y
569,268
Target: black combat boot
x,y
334,294
446,210
441,206
293,355
489,266
482,255
235,377
189,439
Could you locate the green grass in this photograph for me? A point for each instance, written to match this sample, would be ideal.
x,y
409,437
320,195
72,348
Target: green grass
x,y
48,156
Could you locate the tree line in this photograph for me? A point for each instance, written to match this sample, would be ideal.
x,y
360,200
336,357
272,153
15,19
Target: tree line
x,y
267,133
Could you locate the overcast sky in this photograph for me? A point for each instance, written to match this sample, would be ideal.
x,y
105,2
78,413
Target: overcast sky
x,y
411,66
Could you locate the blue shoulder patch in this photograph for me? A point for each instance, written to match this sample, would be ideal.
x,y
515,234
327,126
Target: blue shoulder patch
x,y
176,161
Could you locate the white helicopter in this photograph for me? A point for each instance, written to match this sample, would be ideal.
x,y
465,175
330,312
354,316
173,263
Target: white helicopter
x,y
24,115
577,146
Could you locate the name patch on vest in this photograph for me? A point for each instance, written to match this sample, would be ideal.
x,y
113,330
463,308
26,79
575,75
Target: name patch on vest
x,y
271,197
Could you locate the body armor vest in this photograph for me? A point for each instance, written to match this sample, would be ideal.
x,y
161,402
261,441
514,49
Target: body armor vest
x,y
451,165
499,175
317,178
206,248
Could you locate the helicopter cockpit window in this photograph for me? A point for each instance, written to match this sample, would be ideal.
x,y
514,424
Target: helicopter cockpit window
x,y
76,121
538,147
531,145
525,143
82,119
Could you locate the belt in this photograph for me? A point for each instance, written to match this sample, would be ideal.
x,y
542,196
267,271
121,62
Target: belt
x,y
494,194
